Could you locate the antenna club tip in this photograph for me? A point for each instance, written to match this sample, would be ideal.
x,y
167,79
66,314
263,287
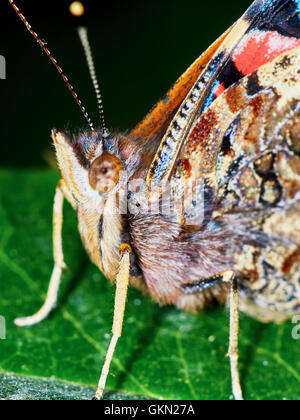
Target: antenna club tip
x,y
77,9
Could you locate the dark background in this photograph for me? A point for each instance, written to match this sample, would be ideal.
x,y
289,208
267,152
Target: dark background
x,y
140,49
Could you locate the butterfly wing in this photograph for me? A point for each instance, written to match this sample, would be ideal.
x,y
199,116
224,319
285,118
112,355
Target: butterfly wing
x,y
268,29
159,117
245,151
254,182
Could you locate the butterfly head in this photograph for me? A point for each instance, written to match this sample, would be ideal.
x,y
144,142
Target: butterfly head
x,y
90,164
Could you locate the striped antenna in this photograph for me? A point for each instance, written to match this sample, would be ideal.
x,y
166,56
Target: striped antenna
x,y
58,68
83,35
77,10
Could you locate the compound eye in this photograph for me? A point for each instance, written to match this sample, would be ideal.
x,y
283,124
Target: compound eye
x,y
104,173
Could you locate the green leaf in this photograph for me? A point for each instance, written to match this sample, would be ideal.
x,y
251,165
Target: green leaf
x,y
164,353
23,388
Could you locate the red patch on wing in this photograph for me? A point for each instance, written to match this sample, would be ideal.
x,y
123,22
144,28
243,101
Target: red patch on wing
x,y
219,89
187,166
200,135
260,48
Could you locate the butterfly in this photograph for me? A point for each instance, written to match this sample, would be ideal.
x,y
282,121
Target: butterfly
x,y
200,202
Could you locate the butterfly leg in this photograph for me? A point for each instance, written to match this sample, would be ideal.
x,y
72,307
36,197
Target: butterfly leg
x,y
122,281
233,352
59,264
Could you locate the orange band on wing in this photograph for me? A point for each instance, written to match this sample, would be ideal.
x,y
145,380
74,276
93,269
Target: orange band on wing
x,y
164,109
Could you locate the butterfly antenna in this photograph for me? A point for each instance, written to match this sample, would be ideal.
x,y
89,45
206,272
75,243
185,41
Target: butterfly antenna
x,y
58,68
77,10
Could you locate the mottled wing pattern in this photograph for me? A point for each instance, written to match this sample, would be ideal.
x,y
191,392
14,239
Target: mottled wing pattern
x,y
245,145
267,29
246,150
